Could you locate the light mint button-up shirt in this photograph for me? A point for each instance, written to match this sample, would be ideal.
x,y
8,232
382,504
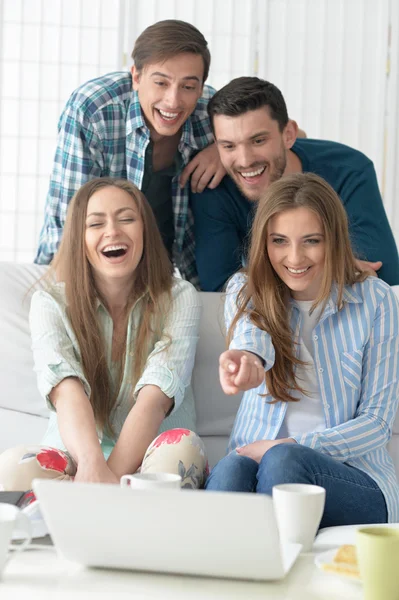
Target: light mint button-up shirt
x,y
169,364
356,357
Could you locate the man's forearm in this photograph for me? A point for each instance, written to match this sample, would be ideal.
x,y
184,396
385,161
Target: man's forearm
x,y
139,430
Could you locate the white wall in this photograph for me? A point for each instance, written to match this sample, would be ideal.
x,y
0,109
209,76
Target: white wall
x,y
391,129
329,58
47,48
337,64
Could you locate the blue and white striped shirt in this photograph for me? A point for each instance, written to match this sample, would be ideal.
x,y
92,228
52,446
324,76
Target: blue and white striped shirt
x,y
102,133
356,358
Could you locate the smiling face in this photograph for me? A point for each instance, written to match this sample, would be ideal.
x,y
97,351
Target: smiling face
x,y
253,149
113,235
168,92
296,248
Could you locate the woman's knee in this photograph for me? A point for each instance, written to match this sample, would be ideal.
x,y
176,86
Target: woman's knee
x,y
21,464
179,451
283,463
233,473
282,456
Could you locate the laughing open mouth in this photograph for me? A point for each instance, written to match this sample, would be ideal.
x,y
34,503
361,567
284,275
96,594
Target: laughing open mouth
x,y
249,174
168,116
114,251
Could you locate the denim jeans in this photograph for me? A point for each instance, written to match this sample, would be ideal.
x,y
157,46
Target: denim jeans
x,y
352,497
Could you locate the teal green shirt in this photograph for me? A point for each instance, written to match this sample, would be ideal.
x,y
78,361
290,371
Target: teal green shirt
x,y
223,216
169,364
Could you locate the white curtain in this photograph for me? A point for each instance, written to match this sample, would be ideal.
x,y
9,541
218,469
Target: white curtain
x,y
328,57
47,49
228,26
336,62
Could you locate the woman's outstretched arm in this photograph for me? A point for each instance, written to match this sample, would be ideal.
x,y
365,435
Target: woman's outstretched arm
x,y
139,429
78,431
161,388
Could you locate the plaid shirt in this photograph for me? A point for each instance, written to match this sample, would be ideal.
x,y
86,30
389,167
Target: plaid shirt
x,y
102,133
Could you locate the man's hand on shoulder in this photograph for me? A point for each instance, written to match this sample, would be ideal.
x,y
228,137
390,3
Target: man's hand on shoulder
x,y
301,133
205,170
369,267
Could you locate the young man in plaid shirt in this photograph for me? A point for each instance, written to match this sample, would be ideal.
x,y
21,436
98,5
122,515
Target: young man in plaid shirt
x,y
150,126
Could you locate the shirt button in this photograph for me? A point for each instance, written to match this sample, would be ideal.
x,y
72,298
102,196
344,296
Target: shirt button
x,y
315,337
321,370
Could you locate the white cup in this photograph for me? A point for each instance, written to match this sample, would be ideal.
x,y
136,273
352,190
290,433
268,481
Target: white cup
x,y
298,508
12,519
151,481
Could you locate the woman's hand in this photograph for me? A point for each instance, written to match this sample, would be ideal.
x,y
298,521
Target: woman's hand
x,y
205,170
95,472
257,450
239,371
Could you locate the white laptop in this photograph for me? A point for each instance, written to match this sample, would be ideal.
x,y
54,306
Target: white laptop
x,y
215,534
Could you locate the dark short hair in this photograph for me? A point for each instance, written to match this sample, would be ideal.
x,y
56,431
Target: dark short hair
x,y
249,93
167,39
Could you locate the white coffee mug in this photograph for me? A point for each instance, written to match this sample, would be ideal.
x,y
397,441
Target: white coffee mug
x,y
12,519
151,481
298,508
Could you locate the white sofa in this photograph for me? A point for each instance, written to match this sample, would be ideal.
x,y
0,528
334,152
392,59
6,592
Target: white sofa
x,y
23,414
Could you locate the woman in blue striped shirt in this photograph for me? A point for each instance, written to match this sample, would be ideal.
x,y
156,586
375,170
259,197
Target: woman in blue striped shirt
x,y
113,337
314,345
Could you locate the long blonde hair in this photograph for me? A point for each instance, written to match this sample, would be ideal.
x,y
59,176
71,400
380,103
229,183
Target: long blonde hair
x,y
264,296
153,279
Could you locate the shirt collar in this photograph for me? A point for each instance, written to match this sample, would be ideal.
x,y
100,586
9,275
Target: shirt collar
x,y
100,305
136,118
349,295
187,136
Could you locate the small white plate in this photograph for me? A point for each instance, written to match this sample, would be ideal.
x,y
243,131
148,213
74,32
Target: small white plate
x,y
326,558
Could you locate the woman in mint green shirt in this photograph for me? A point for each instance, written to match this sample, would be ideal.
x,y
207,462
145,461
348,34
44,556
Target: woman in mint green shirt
x,y
113,338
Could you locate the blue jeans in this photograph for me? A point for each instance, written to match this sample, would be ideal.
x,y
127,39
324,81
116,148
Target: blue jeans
x,y
352,497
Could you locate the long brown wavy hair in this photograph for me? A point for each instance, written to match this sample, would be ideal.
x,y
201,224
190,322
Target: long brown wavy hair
x,y
264,296
153,279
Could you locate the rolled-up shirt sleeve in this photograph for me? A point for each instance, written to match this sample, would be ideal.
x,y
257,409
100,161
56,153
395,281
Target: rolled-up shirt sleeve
x,y
170,364
53,345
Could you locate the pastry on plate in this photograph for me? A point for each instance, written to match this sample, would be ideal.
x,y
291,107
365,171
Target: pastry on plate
x,y
344,562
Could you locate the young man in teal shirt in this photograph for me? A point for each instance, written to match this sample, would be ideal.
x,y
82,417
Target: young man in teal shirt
x,y
258,144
